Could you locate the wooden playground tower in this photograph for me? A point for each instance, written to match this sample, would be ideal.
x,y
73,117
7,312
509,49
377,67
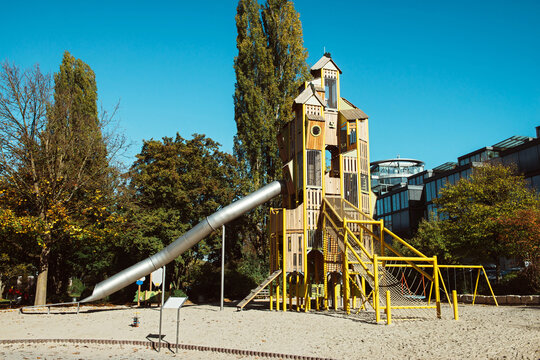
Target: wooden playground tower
x,y
325,247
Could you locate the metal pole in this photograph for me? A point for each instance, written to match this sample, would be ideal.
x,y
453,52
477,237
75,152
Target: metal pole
x,y
222,264
177,328
161,309
436,274
376,288
388,308
454,300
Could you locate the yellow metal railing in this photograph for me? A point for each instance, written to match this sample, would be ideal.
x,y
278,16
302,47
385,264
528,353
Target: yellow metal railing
x,y
367,256
480,268
339,215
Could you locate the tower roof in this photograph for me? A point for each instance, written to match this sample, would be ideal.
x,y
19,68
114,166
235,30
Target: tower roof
x,y
307,94
351,111
353,114
322,62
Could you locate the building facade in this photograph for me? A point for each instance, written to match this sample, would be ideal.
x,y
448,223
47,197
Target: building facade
x,y
387,173
404,205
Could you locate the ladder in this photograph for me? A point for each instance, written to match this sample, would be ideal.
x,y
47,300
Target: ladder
x,y
257,290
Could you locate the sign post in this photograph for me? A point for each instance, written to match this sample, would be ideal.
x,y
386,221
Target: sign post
x,y
157,283
222,264
139,282
175,303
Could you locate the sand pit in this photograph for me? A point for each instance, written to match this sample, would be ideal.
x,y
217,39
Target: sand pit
x,y
483,332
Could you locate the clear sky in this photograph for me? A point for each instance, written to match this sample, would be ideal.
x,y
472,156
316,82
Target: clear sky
x,y
438,79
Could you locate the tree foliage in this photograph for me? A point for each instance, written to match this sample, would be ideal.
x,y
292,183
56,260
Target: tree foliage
x,y
56,181
269,67
176,183
482,218
521,234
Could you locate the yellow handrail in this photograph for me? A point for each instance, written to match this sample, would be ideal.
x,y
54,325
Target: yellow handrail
x,y
404,243
359,244
414,266
336,228
360,260
354,207
333,210
370,222
369,232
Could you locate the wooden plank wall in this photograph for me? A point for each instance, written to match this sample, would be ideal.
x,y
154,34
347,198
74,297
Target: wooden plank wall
x,y
315,142
331,134
294,252
314,201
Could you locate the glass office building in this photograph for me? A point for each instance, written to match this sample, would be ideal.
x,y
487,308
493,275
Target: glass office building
x,y
397,199
402,205
387,173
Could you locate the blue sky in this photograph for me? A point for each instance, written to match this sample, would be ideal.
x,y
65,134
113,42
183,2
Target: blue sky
x,y
437,78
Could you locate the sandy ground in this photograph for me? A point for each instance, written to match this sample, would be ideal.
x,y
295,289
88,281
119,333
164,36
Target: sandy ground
x,y
482,332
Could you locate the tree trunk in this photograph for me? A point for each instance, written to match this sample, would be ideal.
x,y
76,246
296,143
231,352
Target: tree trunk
x,y
41,284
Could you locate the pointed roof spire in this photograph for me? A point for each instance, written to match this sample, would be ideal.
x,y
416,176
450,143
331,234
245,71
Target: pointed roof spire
x,y
323,61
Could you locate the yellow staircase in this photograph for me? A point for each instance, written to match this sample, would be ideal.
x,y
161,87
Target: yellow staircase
x,y
373,252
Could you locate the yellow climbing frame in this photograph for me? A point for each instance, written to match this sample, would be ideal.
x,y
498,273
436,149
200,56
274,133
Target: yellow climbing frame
x,y
369,261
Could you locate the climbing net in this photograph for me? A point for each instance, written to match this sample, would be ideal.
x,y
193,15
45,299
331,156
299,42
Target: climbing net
x,y
360,238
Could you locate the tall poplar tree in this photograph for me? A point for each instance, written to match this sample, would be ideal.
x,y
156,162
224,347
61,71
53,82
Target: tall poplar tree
x,y
283,31
269,67
73,119
75,160
253,68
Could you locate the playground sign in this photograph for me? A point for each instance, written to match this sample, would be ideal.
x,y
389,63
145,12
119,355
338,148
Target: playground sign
x,y
156,277
174,303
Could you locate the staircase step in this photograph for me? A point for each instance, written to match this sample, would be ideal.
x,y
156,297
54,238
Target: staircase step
x,y
257,290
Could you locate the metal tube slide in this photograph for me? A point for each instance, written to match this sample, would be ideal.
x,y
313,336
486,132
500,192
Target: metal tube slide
x,y
186,241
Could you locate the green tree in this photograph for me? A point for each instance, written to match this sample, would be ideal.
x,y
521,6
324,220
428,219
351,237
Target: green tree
x,y
73,119
176,183
269,68
285,42
253,68
56,179
521,233
24,95
430,239
472,213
